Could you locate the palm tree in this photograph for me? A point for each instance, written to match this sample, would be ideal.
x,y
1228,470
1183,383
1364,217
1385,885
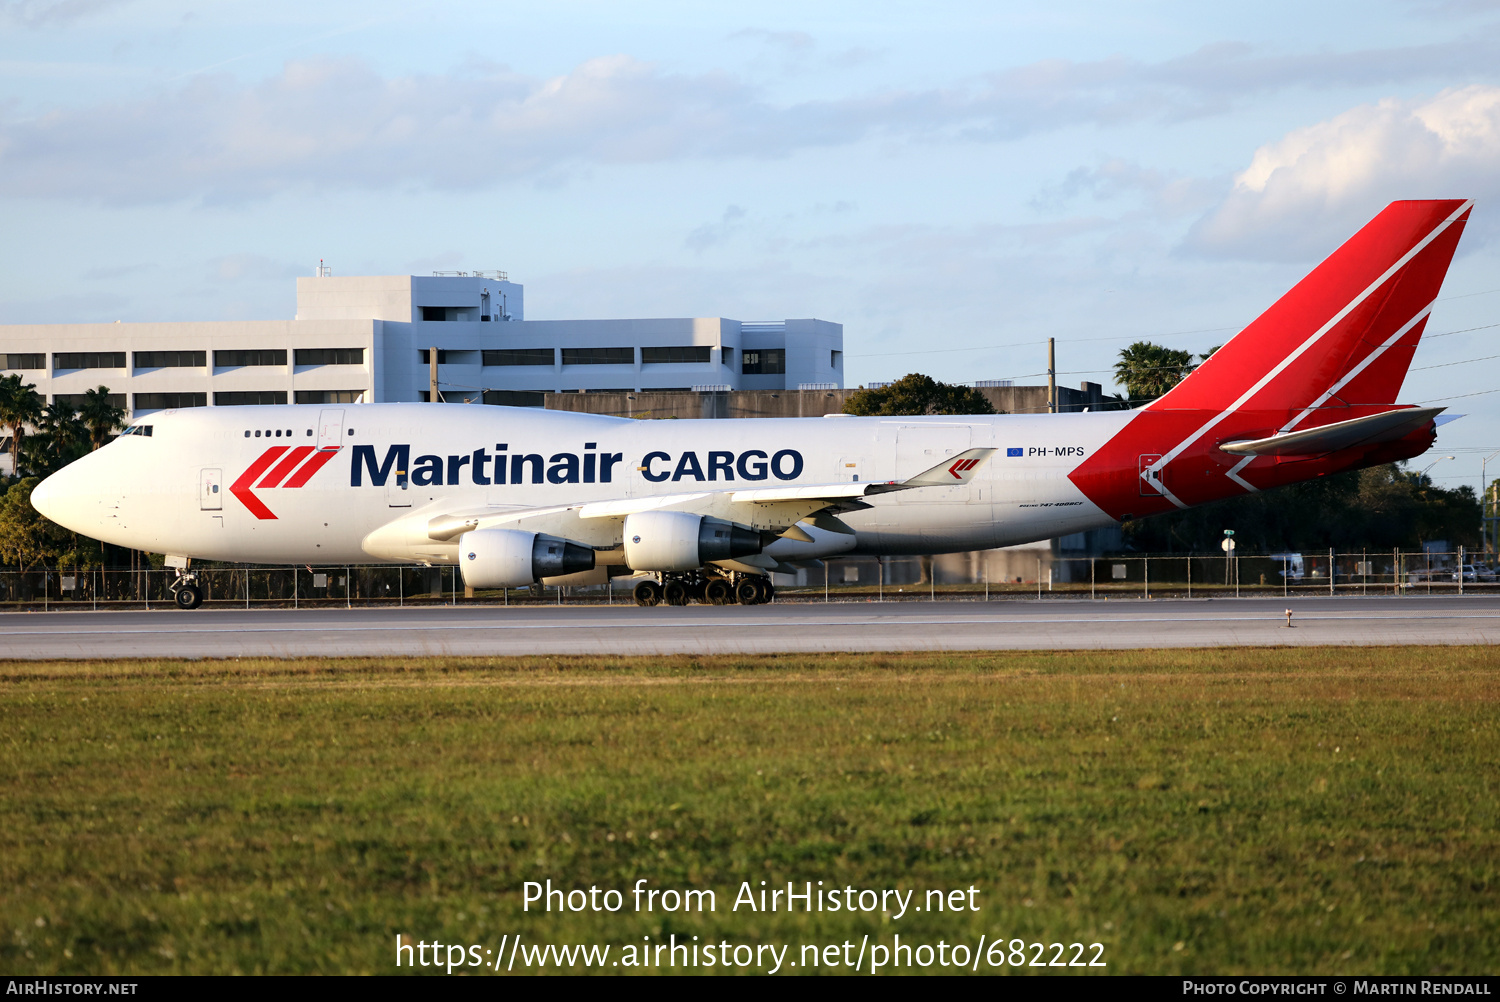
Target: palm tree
x,y
60,438
1149,370
100,415
20,405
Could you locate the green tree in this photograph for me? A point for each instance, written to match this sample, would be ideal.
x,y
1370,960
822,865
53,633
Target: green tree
x,y
29,539
60,438
1148,371
1379,508
100,416
917,394
20,405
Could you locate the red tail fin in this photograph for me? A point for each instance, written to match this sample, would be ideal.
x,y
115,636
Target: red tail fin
x,y
1344,336
1334,349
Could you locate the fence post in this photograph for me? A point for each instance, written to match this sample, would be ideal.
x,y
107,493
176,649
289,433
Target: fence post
x,y
1038,579
825,582
1189,559
1460,570
1332,559
1093,570
1396,571
1146,575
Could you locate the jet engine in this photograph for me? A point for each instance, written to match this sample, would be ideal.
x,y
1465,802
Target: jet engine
x,y
510,558
679,541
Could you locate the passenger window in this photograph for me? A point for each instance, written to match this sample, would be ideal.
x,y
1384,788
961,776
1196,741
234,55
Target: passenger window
x,y
247,433
257,433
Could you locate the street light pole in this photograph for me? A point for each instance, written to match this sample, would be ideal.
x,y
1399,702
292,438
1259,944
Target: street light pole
x,y
1432,464
1484,506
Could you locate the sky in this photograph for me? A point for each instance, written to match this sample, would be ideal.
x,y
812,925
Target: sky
x,y
953,182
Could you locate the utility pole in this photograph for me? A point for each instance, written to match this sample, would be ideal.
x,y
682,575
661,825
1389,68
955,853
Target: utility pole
x,y
1487,542
1051,376
432,381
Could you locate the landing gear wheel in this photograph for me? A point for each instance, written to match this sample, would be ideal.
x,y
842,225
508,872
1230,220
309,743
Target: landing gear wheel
x,y
719,592
188,596
749,591
648,593
767,590
676,593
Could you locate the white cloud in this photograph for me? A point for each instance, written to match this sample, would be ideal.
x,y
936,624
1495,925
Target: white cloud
x,y
329,123
1304,193
705,236
51,13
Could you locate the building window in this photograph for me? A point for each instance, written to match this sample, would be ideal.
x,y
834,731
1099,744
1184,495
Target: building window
x,y
835,359
423,353
25,360
598,356
729,357
240,398
168,401
329,356
75,400
250,356
688,353
88,360
515,398
171,360
763,361
329,396
434,313
519,356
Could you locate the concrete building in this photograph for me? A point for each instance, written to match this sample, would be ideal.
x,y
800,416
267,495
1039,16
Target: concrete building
x,y
807,402
369,339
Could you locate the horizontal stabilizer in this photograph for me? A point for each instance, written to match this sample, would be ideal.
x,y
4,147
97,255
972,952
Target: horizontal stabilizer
x,y
1386,427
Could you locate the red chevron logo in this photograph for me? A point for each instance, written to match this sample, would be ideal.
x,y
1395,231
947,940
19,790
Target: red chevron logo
x,y
292,469
962,466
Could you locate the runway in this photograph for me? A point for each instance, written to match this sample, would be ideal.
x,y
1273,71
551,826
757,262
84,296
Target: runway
x,y
1009,625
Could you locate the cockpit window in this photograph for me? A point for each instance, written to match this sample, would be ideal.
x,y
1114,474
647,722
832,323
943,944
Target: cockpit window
x,y
138,429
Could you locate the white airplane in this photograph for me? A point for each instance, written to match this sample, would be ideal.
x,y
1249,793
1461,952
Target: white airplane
x,y
704,509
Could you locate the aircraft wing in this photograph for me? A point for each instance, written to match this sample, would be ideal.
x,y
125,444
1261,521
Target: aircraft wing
x,y
599,523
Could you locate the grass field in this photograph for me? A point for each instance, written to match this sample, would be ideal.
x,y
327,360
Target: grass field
x,y
1277,811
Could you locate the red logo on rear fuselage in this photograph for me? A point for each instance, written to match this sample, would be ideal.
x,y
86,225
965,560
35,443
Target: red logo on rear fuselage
x,y
295,459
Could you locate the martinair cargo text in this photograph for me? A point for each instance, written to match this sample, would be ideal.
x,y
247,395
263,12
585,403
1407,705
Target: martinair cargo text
x,y
703,509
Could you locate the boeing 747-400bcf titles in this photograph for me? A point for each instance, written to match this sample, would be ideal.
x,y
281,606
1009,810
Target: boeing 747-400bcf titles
x,y
703,509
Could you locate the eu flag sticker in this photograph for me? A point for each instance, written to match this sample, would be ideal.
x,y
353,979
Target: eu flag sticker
x,y
1013,452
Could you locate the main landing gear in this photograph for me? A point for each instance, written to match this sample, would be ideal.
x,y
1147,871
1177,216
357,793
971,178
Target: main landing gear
x,y
186,591
695,586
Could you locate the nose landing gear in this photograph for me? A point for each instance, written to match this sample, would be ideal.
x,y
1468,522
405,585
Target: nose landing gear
x,y
186,591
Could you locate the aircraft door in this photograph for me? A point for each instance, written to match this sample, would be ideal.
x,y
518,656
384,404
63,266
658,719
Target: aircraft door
x,y
921,447
331,429
398,489
1149,479
852,469
211,489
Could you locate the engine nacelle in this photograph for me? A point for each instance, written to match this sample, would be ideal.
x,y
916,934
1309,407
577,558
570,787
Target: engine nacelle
x,y
679,541
510,558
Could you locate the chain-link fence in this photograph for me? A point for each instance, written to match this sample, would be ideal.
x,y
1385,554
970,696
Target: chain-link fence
x,y
974,577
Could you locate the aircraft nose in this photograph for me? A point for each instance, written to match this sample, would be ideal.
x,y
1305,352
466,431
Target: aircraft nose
x,y
65,498
44,497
